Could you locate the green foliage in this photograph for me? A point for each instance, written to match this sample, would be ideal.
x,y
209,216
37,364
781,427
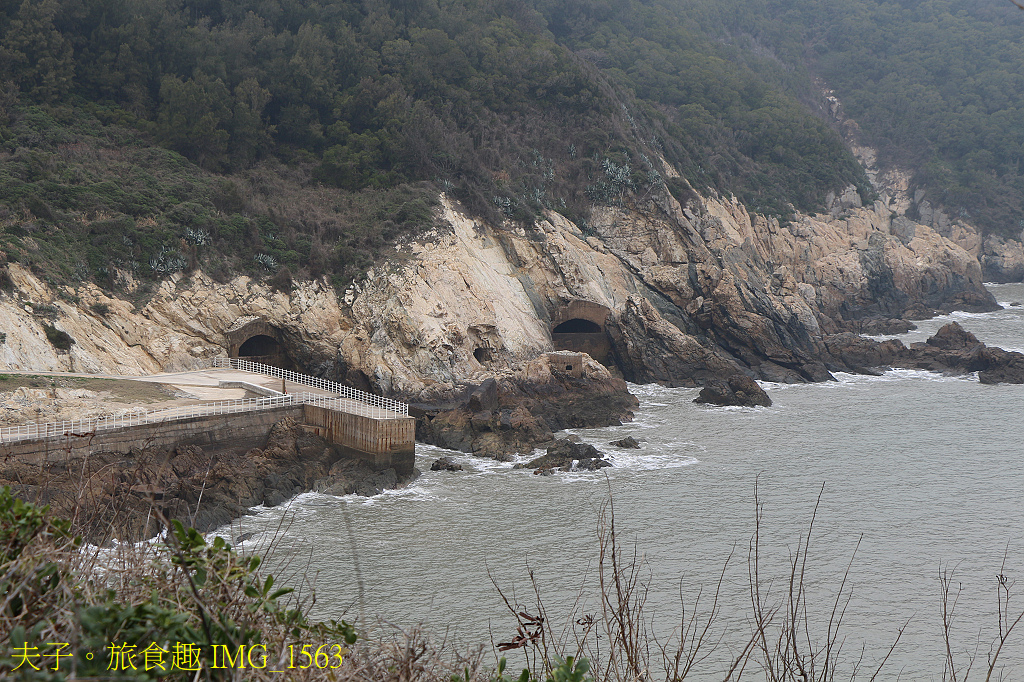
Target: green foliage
x,y
936,86
511,108
22,523
60,340
486,99
570,670
197,593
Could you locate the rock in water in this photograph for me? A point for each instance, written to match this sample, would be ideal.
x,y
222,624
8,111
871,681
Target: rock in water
x,y
627,442
445,464
564,452
592,464
739,390
953,337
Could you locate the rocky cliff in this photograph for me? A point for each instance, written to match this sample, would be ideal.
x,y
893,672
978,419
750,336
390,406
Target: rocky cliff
x,y
680,291
1002,259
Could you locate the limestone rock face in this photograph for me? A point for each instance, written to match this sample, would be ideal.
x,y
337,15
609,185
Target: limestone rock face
x,y
694,292
691,292
1003,259
183,321
649,349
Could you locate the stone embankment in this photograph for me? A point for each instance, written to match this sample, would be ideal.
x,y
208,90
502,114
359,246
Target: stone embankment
x,y
114,494
203,463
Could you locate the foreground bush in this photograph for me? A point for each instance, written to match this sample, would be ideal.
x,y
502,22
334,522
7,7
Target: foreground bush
x,y
162,611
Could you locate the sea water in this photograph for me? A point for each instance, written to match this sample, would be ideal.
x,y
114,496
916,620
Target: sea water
x,y
912,474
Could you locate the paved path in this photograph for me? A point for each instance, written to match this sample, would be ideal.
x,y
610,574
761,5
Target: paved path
x,y
203,385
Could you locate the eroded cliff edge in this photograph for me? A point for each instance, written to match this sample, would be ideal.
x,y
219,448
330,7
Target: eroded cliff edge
x,y
663,288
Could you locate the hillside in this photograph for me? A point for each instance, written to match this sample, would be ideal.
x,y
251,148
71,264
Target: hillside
x,y
494,167
252,137
937,87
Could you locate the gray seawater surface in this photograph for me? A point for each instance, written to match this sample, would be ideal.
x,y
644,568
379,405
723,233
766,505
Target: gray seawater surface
x,y
926,471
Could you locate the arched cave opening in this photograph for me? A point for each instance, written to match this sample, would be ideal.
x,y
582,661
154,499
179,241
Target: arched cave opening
x,y
482,355
583,336
259,346
577,326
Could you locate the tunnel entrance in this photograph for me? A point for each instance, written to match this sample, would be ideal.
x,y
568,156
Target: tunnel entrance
x,y
579,327
258,346
253,338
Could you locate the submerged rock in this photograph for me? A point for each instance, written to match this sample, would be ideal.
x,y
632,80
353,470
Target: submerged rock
x,y
592,464
628,442
740,390
445,464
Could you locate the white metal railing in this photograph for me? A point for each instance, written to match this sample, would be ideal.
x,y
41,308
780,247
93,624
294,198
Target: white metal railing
x,y
85,427
402,409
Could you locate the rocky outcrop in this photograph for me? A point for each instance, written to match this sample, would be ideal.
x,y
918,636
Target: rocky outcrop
x,y
1003,259
628,443
445,464
114,495
518,411
693,292
952,350
566,455
739,390
650,349
185,320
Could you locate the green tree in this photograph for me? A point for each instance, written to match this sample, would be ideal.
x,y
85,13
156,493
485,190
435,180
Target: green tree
x,y
194,116
35,54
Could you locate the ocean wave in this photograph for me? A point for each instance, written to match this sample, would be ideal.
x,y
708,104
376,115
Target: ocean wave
x,y
898,374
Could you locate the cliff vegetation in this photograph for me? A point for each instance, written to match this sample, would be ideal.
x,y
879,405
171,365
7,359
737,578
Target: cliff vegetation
x,y
302,138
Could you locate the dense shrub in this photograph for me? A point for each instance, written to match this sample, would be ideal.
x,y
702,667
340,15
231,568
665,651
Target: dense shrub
x,y
59,339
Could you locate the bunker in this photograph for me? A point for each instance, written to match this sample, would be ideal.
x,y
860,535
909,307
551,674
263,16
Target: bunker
x,y
579,327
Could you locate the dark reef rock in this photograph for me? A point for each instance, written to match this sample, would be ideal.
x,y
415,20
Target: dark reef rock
x,y
875,326
953,337
592,464
563,453
525,409
628,442
1001,367
445,464
738,390
952,350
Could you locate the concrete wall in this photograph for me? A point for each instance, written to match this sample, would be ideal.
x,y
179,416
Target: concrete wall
x,y
597,346
242,430
383,443
583,310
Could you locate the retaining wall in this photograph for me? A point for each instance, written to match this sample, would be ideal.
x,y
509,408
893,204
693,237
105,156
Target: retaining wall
x,y
240,430
383,443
